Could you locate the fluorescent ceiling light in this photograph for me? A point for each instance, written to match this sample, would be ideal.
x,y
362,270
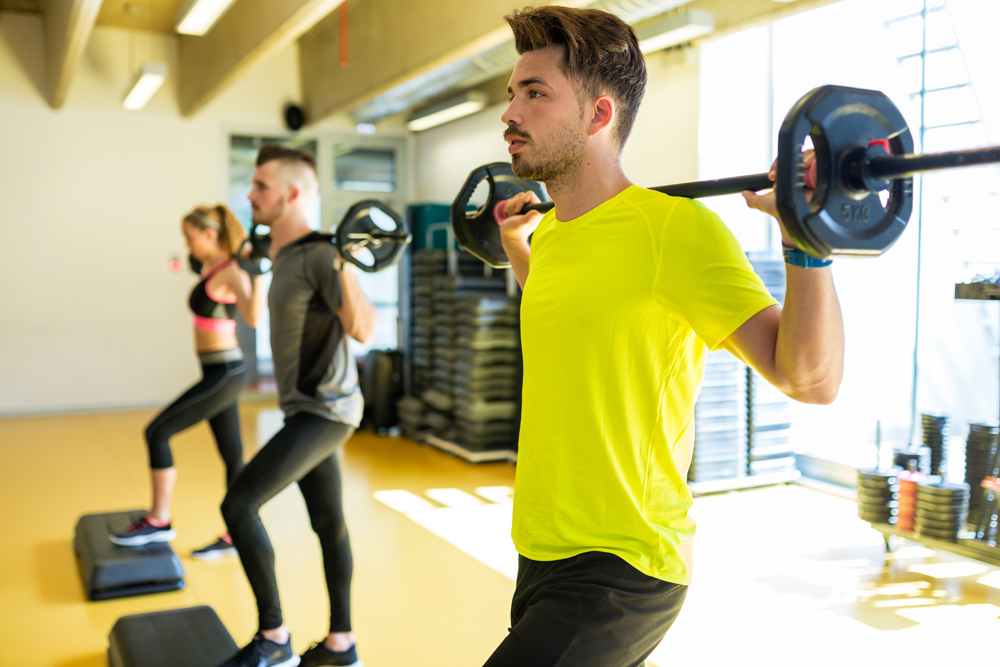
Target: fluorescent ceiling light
x,y
675,29
144,85
196,17
465,104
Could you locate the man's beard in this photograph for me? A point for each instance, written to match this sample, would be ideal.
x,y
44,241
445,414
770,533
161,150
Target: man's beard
x,y
564,156
259,217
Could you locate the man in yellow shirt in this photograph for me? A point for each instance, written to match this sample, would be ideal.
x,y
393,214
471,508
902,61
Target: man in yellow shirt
x,y
625,291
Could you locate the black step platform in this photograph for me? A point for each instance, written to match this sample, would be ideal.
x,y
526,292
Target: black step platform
x,y
191,637
110,571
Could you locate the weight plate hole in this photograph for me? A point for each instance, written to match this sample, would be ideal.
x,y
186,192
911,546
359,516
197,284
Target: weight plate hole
x,y
365,256
480,197
382,220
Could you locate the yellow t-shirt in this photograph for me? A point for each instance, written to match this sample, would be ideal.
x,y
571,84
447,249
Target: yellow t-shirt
x,y
619,310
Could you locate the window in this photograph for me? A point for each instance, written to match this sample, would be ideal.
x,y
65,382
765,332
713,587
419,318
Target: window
x,y
359,169
957,350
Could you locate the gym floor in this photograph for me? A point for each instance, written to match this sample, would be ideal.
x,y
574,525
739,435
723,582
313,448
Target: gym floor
x,y
780,571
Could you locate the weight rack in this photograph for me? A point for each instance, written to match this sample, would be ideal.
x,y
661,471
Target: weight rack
x,y
742,423
466,365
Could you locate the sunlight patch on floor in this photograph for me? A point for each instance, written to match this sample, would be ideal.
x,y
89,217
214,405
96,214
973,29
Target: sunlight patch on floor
x,y
479,526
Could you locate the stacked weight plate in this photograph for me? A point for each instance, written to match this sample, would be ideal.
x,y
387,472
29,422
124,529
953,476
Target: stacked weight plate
x,y
935,429
980,453
411,416
450,315
878,495
486,373
771,269
769,423
426,265
941,509
720,421
769,447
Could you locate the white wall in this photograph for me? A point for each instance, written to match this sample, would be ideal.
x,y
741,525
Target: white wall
x,y
90,316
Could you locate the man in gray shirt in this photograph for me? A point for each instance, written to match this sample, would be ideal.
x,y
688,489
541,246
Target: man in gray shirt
x,y
315,303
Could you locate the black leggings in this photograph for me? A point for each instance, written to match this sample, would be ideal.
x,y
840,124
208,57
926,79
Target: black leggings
x,y
303,451
214,399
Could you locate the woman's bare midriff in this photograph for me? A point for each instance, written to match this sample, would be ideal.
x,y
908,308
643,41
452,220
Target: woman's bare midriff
x,y
210,341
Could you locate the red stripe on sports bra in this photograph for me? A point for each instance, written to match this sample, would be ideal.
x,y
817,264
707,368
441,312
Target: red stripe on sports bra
x,y
214,325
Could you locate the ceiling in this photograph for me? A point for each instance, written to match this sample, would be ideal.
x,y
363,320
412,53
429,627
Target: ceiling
x,y
20,5
154,15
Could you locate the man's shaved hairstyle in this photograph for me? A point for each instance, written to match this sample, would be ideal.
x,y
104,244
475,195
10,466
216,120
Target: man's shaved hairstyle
x,y
601,54
269,152
295,159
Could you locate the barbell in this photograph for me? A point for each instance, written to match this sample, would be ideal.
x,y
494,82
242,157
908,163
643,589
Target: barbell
x,y
861,180
368,225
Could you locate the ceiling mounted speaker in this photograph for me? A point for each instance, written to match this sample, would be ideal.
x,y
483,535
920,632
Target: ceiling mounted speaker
x,y
295,117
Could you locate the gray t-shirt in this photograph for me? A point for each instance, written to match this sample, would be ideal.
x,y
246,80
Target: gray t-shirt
x,y
314,370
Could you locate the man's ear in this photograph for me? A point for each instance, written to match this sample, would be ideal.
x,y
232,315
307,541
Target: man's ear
x,y
602,115
294,193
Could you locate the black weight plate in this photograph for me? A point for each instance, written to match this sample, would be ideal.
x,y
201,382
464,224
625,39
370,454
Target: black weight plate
x,y
382,245
942,498
933,515
939,534
478,232
871,510
871,475
878,500
876,486
840,221
947,489
924,522
940,507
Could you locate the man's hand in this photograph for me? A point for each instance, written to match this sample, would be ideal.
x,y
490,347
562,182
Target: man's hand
x,y
768,202
518,228
343,265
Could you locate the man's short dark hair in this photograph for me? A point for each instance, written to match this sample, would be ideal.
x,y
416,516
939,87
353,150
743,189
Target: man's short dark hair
x,y
602,54
272,151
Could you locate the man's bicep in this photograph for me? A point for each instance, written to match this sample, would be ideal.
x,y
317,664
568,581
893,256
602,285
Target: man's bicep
x,y
755,341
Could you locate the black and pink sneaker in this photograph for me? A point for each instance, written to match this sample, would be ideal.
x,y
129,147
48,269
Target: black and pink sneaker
x,y
221,548
143,532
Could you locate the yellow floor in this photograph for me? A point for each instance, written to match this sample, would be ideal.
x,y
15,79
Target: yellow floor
x,y
784,576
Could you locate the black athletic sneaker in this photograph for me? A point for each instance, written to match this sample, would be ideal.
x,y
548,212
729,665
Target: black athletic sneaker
x,y
143,532
221,548
262,652
319,655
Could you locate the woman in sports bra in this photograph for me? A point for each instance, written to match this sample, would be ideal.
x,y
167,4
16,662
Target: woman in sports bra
x,y
213,237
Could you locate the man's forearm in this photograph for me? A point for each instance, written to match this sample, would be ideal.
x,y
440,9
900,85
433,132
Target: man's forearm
x,y
809,354
356,313
258,303
519,254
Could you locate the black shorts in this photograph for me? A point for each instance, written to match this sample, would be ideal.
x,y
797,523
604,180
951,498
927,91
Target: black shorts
x,y
589,610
